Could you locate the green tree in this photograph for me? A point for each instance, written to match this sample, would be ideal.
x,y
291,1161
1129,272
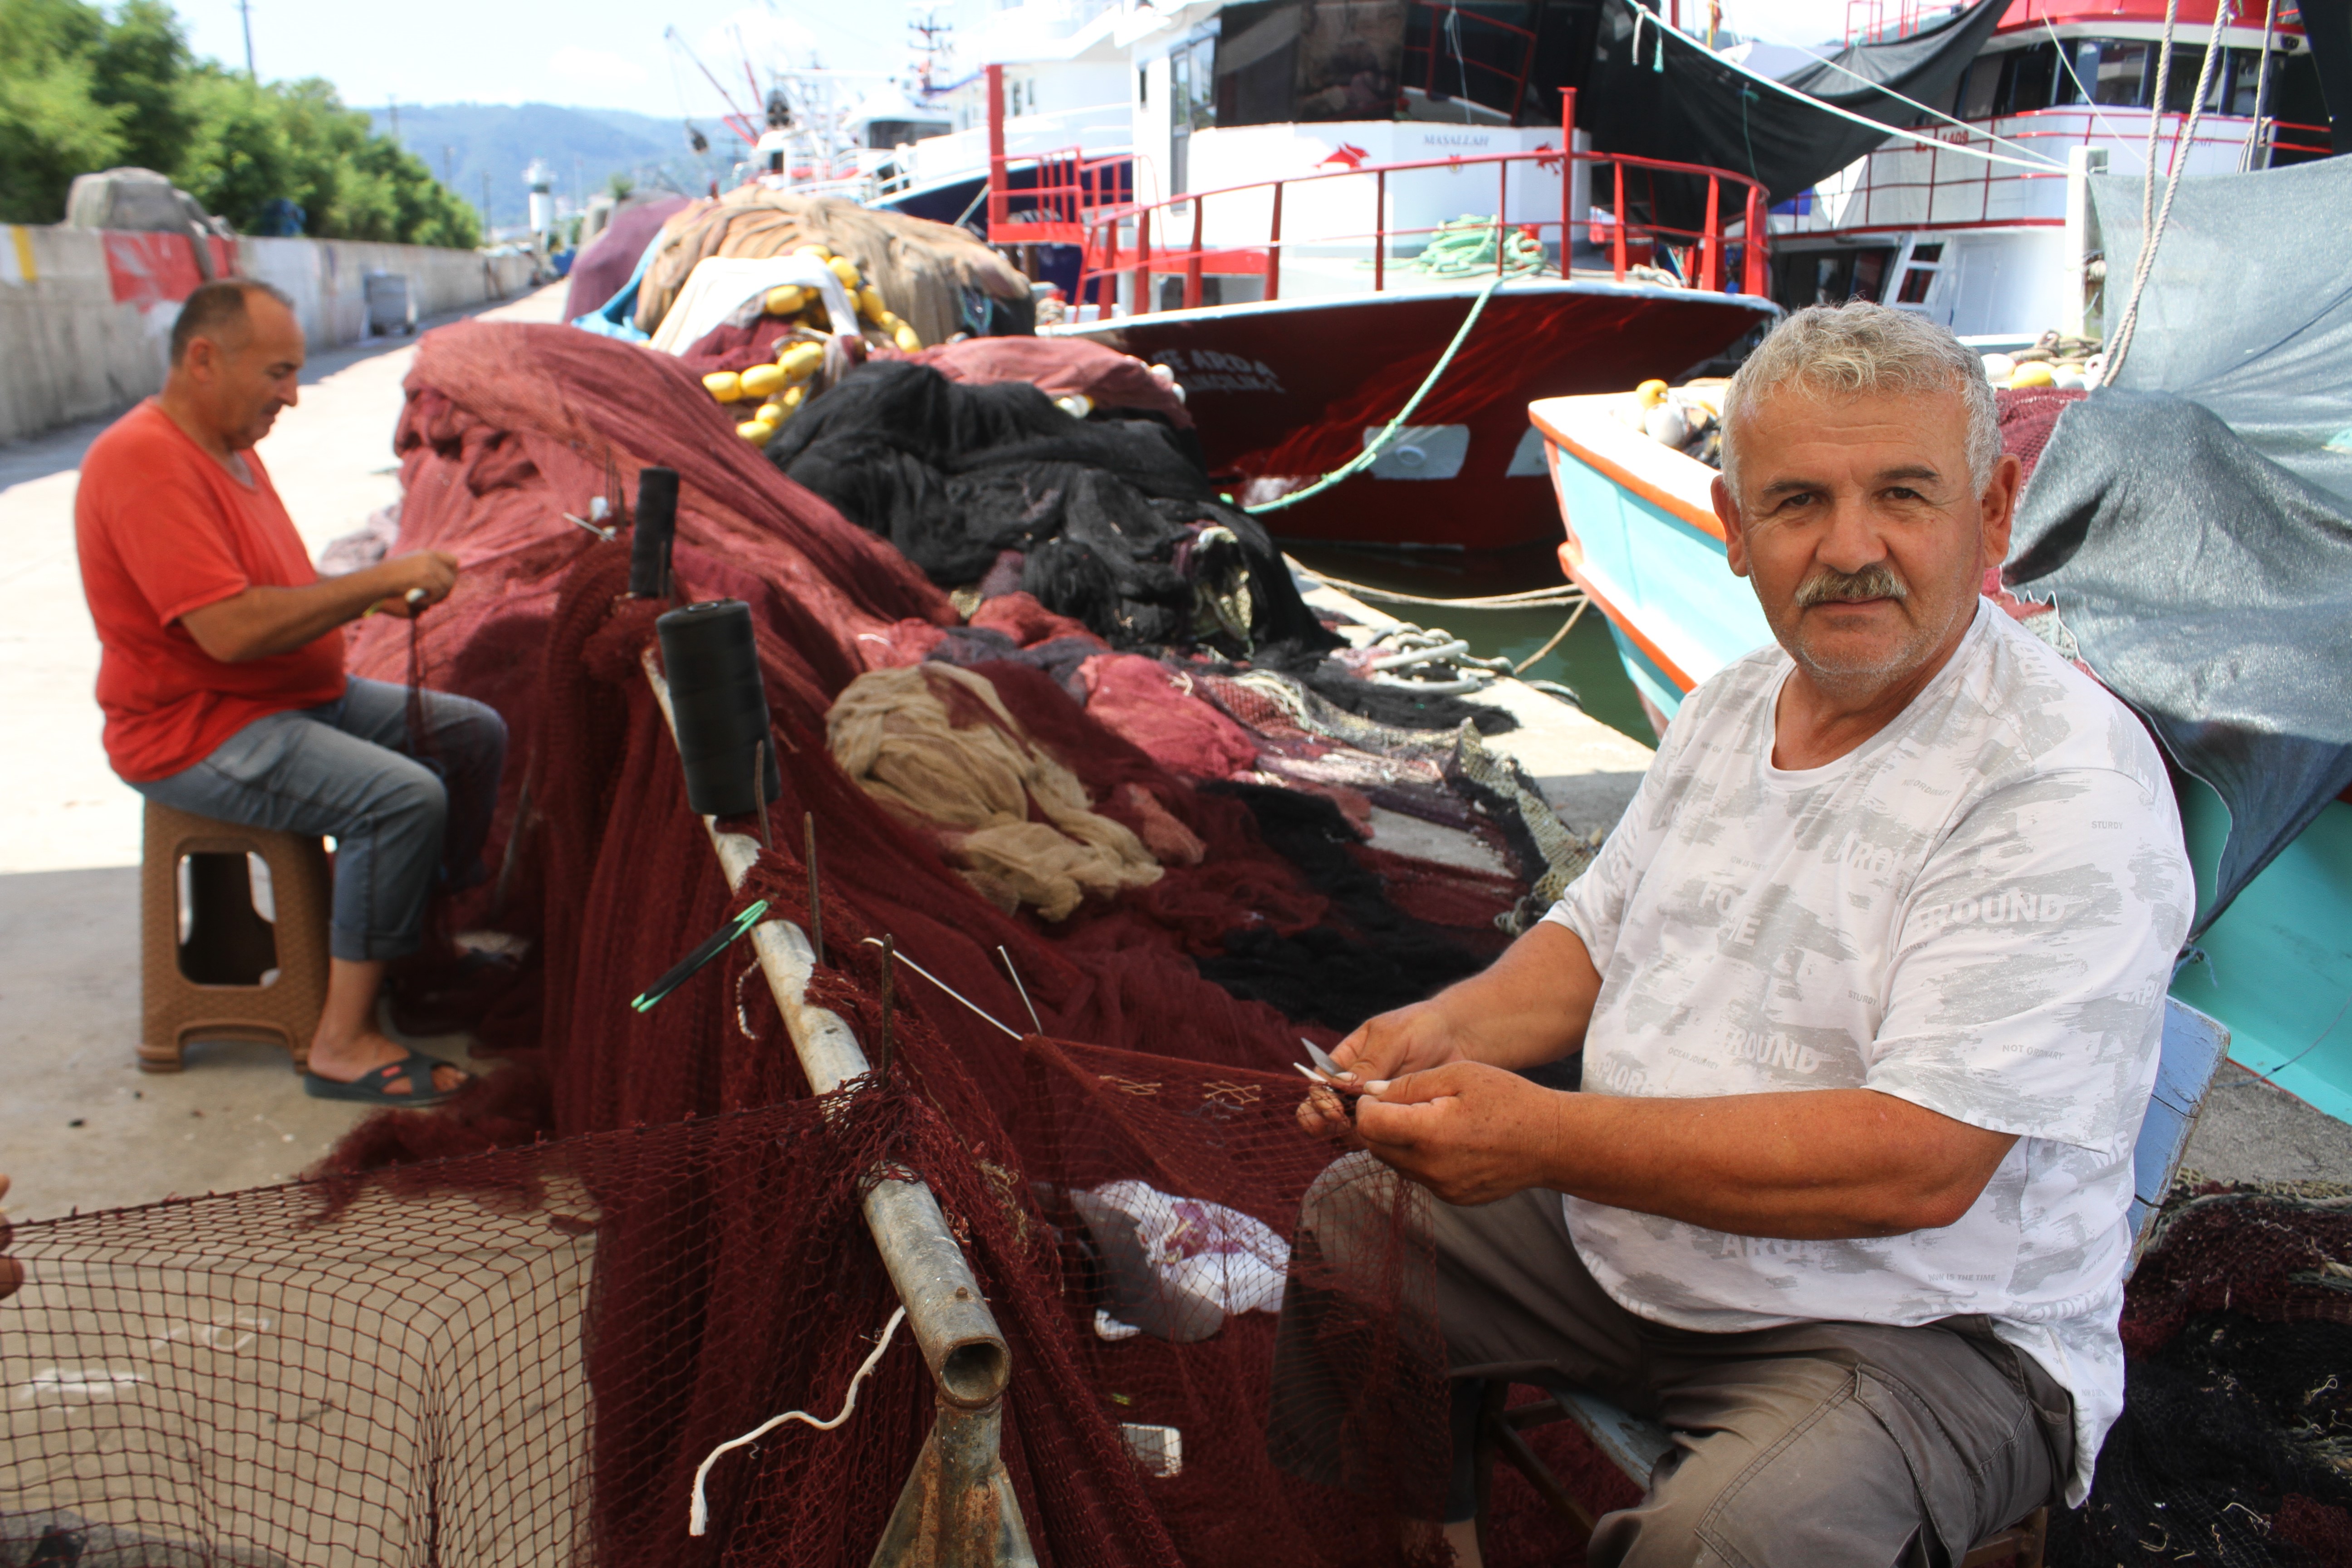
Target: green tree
x,y
81,90
52,126
140,64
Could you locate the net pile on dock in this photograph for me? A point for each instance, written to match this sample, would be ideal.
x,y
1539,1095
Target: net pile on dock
x,y
684,1257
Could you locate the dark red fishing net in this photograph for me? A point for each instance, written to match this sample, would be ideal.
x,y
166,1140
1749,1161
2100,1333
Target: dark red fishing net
x,y
520,1349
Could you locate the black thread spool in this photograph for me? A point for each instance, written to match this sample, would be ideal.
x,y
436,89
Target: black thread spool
x,y
712,665
649,546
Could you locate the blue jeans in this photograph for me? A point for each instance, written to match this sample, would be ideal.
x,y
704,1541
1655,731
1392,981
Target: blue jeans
x,y
347,769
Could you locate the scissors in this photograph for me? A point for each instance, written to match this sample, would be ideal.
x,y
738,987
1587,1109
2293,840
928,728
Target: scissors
x,y
1329,1074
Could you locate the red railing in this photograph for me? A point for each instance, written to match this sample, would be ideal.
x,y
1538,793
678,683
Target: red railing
x,y
1443,17
2047,130
1118,237
1071,189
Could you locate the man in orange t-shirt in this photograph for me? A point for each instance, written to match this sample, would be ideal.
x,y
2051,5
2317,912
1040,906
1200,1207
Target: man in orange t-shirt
x,y
222,678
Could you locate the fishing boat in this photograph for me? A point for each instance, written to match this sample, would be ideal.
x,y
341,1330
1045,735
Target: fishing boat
x,y
1297,216
1969,224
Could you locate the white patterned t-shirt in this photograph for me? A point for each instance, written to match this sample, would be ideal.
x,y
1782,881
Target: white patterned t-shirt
x,y
1976,910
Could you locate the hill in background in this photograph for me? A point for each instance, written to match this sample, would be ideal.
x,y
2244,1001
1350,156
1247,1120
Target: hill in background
x,y
584,147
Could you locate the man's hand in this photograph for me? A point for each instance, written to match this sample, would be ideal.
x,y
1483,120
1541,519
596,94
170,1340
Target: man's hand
x,y
12,1273
1409,1039
1530,1007
1469,1132
434,572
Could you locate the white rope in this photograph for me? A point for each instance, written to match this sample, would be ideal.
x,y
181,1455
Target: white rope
x,y
2047,161
2076,77
2128,322
2261,90
877,942
699,1519
1567,594
2039,165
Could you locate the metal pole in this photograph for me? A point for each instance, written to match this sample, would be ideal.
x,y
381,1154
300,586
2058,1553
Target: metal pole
x,y
1273,249
2262,87
245,14
957,1506
1193,265
1000,205
1566,174
1143,300
1618,236
1380,230
1756,265
1710,266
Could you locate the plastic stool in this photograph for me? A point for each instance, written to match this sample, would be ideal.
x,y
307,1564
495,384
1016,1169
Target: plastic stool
x,y
219,981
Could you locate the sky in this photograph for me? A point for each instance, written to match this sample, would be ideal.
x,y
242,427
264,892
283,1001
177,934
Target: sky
x,y
610,54
602,53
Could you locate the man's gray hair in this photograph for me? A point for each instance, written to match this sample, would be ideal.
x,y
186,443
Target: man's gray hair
x,y
1859,349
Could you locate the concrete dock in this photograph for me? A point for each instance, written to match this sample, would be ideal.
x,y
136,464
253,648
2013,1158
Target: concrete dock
x,y
80,1127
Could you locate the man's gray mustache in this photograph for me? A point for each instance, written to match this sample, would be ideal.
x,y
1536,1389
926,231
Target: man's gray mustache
x,y
1830,585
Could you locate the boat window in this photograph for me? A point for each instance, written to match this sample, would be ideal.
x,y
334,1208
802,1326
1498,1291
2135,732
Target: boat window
x,y
1870,274
2026,79
1191,85
2235,88
890,133
2120,77
1980,86
1919,274
2180,87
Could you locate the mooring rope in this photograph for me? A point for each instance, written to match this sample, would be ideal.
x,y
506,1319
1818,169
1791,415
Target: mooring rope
x,y
1379,443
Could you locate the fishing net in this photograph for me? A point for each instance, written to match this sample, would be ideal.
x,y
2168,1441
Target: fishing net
x,y
510,1332
2235,1446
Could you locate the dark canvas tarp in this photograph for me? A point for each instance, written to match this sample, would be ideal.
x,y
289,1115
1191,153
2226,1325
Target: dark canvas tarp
x,y
1669,97
2194,524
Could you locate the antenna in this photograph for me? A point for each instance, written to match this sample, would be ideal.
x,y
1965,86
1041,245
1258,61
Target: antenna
x,y
932,46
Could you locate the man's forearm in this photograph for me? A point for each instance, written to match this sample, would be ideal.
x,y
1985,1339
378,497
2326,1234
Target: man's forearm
x,y
262,622
1530,1007
1817,1163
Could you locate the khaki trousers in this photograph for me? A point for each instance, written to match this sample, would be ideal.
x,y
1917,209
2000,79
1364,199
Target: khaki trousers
x,y
1817,1444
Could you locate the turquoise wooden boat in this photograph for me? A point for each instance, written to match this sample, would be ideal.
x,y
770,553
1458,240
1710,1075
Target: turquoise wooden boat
x,y
1642,538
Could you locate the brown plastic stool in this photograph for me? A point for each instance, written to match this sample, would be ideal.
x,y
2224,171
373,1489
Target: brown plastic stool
x,y
217,982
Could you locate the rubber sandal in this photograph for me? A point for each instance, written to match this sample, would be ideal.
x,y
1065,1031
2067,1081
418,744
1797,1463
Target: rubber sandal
x,y
373,1087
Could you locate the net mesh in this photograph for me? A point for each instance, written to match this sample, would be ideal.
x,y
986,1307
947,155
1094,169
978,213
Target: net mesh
x,y
508,1333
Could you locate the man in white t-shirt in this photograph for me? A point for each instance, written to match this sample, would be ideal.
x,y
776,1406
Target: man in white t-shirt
x,y
1868,982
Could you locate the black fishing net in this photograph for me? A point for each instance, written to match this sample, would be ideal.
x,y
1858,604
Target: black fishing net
x,y
1114,522
2234,1450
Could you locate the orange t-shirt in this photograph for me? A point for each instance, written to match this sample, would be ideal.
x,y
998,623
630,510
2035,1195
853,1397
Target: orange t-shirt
x,y
162,529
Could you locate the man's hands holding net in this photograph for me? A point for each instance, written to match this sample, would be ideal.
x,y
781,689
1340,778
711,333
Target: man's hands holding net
x,y
1469,1132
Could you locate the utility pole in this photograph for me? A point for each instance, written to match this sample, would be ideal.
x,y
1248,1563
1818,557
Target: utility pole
x,y
245,10
394,105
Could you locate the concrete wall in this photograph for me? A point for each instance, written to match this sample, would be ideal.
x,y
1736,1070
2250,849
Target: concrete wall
x,y
86,315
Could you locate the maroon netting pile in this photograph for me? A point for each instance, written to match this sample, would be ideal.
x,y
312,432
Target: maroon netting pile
x,y
509,1331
